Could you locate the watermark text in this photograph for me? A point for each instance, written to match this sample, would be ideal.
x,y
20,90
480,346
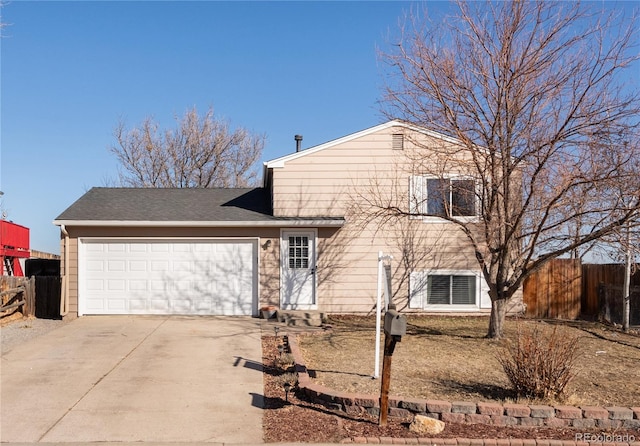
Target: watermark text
x,y
604,438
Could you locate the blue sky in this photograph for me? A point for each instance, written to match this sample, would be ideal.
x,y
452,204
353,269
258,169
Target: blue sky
x,y
71,70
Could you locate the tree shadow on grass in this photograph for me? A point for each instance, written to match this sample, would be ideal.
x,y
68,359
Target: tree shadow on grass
x,y
600,331
314,372
484,390
417,330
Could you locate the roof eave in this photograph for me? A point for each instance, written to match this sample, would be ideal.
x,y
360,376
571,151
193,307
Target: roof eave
x,y
318,222
280,162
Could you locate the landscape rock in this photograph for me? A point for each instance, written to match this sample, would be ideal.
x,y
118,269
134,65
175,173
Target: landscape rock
x,y
424,425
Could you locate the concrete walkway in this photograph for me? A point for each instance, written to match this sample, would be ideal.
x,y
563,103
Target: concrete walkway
x,y
136,379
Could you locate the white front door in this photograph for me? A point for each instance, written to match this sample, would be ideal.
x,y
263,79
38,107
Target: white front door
x,y
298,270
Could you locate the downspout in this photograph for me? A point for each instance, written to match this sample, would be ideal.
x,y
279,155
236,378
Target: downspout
x,y
64,298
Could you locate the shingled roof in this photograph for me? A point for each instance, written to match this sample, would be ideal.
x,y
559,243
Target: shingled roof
x,y
190,206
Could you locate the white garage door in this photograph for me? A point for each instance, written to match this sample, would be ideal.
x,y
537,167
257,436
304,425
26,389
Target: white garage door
x,y
206,277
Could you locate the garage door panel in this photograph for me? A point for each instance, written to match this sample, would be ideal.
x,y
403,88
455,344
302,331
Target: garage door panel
x,y
137,265
116,304
95,285
160,266
182,267
116,265
138,248
159,306
202,248
159,247
96,304
203,268
151,277
95,265
116,247
137,285
115,285
138,306
94,247
182,247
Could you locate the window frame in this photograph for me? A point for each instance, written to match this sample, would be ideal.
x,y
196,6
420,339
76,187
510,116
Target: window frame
x,y
419,198
418,291
299,251
450,291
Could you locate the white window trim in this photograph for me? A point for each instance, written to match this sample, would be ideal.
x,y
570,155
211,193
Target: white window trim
x,y
419,198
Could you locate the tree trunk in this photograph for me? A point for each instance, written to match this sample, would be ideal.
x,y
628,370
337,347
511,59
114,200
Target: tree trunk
x,y
496,322
626,289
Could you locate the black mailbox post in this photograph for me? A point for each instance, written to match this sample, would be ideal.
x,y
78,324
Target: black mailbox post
x,y
395,326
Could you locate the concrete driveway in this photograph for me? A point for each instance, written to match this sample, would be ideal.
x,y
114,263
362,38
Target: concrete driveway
x,y
126,378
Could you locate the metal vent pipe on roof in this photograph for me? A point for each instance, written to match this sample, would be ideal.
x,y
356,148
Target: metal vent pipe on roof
x,y
298,139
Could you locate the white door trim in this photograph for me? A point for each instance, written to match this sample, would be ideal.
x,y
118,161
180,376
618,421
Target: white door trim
x,y
285,232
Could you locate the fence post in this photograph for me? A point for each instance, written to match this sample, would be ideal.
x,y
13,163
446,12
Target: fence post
x,y
29,296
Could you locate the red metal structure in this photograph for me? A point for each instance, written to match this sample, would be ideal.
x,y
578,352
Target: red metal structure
x,y
14,245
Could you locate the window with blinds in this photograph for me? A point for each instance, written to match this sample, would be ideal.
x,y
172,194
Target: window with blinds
x,y
451,290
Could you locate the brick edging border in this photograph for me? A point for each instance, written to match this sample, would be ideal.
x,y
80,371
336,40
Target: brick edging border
x,y
478,442
587,417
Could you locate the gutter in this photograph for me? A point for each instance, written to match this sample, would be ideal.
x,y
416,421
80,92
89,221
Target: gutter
x,y
279,223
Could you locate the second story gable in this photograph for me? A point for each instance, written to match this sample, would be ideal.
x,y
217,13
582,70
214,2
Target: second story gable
x,y
393,162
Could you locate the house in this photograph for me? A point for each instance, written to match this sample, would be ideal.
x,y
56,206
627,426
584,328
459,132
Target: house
x,y
309,238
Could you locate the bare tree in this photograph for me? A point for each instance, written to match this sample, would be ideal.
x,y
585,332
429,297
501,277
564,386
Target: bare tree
x,y
199,152
623,244
536,96
630,244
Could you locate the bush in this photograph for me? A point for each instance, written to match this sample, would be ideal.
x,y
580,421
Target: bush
x,y
284,361
540,365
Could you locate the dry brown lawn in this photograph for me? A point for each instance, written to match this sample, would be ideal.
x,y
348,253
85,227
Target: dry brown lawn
x,y
448,358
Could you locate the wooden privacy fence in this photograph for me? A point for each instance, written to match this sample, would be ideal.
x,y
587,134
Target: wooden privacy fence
x,y
593,275
17,294
554,291
611,306
567,289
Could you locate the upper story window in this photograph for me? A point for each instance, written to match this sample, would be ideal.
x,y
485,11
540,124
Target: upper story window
x,y
442,197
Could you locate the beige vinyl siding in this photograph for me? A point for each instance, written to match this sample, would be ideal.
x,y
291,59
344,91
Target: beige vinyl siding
x,y
323,183
327,183
269,257
348,265
73,273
